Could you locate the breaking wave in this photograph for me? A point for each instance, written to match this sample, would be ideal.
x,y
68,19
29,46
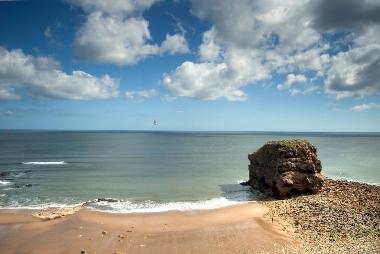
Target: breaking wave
x,y
44,163
234,194
4,182
152,206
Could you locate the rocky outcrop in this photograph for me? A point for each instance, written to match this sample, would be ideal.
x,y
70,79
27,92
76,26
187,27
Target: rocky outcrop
x,y
55,213
286,167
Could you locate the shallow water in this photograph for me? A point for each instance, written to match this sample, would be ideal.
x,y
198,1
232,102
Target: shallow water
x,y
156,171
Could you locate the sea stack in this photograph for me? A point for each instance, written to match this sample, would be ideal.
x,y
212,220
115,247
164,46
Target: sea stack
x,y
286,167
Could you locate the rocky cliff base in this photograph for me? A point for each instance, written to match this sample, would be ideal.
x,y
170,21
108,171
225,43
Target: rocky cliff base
x,y
285,168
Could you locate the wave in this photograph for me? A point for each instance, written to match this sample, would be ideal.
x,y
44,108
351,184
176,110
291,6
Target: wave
x,y
154,207
233,194
2,182
33,205
44,163
134,207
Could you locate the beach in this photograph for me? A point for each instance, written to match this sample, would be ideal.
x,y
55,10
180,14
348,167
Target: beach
x,y
111,192
190,127
235,229
343,218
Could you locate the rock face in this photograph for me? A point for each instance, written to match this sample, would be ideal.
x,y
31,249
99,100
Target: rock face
x,y
286,167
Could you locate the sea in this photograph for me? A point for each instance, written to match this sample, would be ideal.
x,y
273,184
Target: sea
x,y
154,171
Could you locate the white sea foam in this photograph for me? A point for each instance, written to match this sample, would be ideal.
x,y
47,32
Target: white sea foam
x,y
40,206
44,163
135,207
234,194
4,182
154,207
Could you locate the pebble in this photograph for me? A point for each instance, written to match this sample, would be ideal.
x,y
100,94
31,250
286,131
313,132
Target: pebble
x,y
122,236
343,218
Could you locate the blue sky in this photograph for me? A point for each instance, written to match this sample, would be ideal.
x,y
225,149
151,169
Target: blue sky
x,y
191,65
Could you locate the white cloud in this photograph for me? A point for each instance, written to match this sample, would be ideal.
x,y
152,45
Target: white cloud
x,y
282,37
249,23
364,107
115,7
7,92
307,90
290,80
42,76
141,94
356,72
210,81
113,40
234,52
209,49
174,44
303,86
117,33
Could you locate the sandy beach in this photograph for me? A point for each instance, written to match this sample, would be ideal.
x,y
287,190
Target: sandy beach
x,y
343,218
236,229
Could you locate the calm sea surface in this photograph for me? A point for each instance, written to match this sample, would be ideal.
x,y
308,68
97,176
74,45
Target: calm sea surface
x,y
156,171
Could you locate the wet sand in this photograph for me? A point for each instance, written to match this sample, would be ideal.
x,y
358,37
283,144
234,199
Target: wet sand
x,y
236,229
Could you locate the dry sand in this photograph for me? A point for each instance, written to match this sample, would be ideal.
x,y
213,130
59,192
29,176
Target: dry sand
x,y
236,229
343,218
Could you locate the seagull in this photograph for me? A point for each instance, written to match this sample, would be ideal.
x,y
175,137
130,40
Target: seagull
x,y
155,122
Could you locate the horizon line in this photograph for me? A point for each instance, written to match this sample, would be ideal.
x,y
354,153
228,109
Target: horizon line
x,y
169,130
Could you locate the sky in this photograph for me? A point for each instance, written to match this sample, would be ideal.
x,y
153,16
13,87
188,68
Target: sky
x,y
196,65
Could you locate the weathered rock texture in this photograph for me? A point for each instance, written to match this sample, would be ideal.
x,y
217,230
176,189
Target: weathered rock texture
x,y
286,167
55,213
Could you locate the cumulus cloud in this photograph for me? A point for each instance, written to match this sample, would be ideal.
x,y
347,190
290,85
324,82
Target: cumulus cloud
x,y
42,76
333,42
364,107
345,15
298,84
117,33
213,80
249,23
355,72
209,49
141,94
291,79
115,7
174,44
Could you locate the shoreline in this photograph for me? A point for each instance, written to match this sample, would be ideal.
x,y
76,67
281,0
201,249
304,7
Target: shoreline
x,y
238,229
197,205
343,218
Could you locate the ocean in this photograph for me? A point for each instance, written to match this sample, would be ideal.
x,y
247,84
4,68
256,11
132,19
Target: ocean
x,y
131,171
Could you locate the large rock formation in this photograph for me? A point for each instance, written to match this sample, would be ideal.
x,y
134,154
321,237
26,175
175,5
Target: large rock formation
x,y
286,167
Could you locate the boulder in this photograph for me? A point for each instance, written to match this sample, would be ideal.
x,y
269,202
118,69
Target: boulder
x,y
286,167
